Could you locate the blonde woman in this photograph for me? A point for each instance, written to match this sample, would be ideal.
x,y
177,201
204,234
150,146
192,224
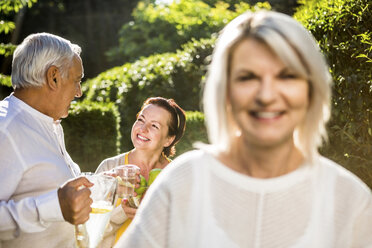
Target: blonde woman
x,y
159,126
261,182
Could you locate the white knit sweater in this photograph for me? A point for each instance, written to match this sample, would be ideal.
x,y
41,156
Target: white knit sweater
x,y
200,202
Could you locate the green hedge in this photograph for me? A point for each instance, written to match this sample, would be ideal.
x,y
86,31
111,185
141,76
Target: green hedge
x,y
171,75
195,132
344,31
5,80
158,28
91,133
8,10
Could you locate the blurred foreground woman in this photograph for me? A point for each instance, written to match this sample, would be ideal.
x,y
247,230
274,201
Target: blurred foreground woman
x,y
261,182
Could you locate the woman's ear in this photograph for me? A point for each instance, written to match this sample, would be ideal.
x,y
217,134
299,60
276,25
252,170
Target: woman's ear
x,y
169,141
53,77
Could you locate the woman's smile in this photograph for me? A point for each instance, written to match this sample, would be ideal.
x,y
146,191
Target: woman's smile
x,y
266,115
143,138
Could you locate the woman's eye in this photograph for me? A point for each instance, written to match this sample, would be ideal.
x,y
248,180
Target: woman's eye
x,y
153,125
140,120
287,75
246,77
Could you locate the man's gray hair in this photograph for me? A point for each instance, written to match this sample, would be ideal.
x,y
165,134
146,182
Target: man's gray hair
x,y
36,54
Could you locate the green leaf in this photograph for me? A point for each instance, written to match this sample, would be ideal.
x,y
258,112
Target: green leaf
x,y
5,80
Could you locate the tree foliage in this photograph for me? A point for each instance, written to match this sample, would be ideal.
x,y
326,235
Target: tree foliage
x,y
9,6
7,9
92,24
344,31
164,28
284,6
195,132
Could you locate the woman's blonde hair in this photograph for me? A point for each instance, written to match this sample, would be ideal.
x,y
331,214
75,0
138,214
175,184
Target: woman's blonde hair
x,y
297,48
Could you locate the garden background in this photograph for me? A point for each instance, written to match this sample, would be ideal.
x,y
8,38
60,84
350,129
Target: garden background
x,y
135,49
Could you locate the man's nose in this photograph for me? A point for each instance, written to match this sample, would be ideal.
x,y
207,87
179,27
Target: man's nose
x,y
79,93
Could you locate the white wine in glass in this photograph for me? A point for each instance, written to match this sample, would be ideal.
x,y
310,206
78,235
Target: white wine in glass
x,y
127,178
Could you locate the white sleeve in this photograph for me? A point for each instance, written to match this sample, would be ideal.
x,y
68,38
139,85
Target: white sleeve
x,y
107,164
30,214
150,225
103,166
118,216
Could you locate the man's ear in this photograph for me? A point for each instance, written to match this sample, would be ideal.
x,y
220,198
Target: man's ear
x,y
53,78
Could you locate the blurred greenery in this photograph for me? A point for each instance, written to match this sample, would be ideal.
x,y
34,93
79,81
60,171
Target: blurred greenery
x,y
9,6
195,132
5,80
7,9
92,24
92,133
343,29
164,28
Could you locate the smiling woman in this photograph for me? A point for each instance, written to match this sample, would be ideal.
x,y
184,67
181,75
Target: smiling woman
x,y
261,182
160,124
163,121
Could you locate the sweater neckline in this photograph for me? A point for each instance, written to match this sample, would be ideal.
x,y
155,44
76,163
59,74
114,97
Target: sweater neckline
x,y
259,184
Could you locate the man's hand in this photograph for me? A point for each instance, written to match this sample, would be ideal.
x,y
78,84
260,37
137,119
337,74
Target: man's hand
x,y
74,199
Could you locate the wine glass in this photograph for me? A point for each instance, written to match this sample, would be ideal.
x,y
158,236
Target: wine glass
x,y
127,178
